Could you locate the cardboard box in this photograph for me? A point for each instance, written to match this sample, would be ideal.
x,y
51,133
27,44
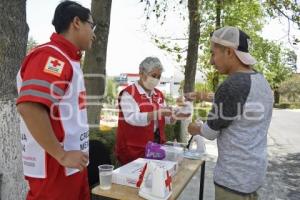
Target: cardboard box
x,y
129,173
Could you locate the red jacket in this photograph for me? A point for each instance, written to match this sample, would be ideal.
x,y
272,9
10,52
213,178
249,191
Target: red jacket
x,y
131,140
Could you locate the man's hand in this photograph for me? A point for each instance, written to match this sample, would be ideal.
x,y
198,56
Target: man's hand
x,y
191,95
38,122
194,128
184,109
74,159
158,114
182,116
180,101
164,112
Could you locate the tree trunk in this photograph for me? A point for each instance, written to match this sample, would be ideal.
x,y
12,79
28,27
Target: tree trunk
x,y
218,14
276,96
215,79
13,39
0,183
192,52
95,61
191,58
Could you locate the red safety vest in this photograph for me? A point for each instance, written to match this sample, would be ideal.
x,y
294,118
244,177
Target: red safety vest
x,y
131,140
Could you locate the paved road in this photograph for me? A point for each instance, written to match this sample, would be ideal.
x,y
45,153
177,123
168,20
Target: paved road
x,y
283,176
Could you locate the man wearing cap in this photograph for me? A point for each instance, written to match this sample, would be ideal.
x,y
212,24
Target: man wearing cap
x,y
51,102
239,118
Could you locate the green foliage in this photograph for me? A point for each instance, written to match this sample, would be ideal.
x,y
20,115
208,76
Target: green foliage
x,y
107,138
246,15
275,62
290,58
210,75
201,112
295,105
282,105
110,91
205,87
160,8
31,43
291,88
170,100
288,9
172,131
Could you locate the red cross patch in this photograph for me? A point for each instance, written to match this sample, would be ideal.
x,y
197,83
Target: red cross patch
x,y
54,66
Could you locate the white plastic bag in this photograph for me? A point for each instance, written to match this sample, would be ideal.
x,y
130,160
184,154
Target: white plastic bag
x,y
198,141
187,108
197,144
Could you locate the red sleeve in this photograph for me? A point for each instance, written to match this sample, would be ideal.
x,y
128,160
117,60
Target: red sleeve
x,y
46,75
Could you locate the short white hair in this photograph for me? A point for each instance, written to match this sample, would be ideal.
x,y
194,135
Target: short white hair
x,y
150,63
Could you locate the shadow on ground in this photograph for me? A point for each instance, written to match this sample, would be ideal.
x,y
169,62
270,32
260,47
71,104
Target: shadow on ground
x,y
283,178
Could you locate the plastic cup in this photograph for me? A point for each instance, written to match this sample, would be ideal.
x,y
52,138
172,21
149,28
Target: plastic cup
x,y
105,176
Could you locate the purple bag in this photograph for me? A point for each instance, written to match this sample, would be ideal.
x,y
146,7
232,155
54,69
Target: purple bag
x,y
154,151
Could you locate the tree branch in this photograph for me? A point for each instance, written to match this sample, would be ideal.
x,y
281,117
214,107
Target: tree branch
x,y
280,11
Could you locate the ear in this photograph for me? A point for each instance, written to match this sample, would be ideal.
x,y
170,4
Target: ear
x,y
76,22
230,52
142,75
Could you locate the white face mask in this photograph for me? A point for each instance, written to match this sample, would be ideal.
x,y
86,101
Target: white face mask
x,y
151,83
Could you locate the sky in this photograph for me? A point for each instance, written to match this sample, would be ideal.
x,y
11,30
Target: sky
x,y
128,43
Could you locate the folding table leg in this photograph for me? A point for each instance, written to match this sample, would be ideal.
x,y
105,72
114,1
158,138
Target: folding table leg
x,y
202,176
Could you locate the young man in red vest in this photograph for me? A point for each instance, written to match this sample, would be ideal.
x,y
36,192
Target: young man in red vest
x,y
142,115
51,100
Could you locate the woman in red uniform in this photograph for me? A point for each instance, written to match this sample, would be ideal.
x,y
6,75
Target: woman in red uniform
x,y
142,114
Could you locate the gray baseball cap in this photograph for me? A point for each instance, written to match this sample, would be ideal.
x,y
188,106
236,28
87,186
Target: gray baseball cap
x,y
233,37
